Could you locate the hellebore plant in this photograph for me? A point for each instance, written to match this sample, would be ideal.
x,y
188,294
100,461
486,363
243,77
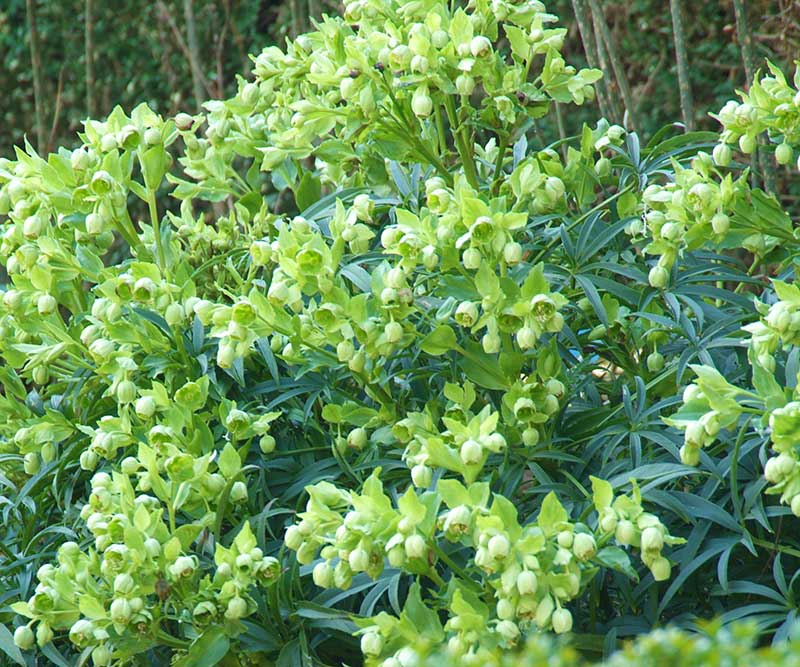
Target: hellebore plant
x,y
385,365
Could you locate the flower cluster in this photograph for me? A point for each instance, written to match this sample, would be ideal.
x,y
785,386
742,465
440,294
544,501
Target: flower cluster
x,y
138,575
625,518
532,570
693,210
771,104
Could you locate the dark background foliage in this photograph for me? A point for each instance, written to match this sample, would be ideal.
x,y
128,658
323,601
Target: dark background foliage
x,y
139,51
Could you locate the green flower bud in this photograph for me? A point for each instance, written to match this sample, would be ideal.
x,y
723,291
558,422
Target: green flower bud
x,y
554,187
357,439
658,277
625,533
46,304
126,392
239,492
471,452
747,143
795,505
661,569
40,375
491,343
562,620
79,159
293,538
471,258
584,546
466,314
421,476
266,444
508,630
652,539
498,547
480,46
784,153
44,634
465,84
690,455
152,547
12,299
180,467
512,253
323,575
393,332
527,582
358,560
145,407
101,656
123,584
371,644
722,155
175,315
565,539
530,437
31,463
237,608
152,136
655,362
544,612
345,350
602,167
120,611
23,637
88,460
720,223
48,452
526,338
608,523
102,182
415,546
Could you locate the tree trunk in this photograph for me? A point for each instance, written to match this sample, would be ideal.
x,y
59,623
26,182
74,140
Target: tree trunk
x,y
194,52
616,63
89,57
681,59
36,66
584,21
745,39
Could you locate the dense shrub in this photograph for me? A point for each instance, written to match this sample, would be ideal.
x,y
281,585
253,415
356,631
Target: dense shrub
x,y
420,398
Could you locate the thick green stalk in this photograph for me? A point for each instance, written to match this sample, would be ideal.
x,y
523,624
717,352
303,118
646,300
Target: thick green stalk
x,y
463,144
155,222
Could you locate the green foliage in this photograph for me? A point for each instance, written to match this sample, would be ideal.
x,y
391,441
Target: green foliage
x,y
734,646
415,403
